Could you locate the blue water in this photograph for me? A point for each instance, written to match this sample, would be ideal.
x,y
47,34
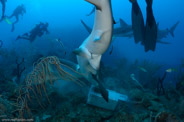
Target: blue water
x,y
64,18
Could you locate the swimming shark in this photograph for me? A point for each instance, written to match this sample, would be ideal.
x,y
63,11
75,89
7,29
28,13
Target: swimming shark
x,y
96,44
125,30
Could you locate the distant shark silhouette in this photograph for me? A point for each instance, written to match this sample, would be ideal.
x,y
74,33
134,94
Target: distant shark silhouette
x,y
90,52
164,33
125,30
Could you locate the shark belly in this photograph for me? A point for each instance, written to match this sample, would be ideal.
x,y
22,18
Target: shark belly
x,y
96,44
98,47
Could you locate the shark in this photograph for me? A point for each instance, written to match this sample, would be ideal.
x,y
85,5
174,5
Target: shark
x,y
163,33
96,44
125,30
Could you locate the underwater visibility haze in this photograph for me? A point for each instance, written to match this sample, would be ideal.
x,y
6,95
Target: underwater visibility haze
x,y
92,60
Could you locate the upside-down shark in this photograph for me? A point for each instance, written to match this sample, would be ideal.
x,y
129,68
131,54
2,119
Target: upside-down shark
x,y
96,44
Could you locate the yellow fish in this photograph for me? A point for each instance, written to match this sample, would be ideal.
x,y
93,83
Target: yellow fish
x,y
171,70
8,21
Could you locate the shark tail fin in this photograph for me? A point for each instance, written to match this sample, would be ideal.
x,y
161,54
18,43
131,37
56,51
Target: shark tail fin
x,y
123,23
172,29
86,26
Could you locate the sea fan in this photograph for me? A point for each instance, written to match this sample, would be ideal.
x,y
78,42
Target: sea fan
x,y
46,69
50,69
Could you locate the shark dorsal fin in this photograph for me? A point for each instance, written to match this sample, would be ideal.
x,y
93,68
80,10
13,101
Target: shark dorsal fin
x,y
123,23
82,52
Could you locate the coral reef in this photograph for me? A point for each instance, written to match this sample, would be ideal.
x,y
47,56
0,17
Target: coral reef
x,y
46,69
38,98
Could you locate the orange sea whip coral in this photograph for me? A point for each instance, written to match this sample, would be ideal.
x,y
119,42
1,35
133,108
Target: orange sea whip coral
x,y
46,69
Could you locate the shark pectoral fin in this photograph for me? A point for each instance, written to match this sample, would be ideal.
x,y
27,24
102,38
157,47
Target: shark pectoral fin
x,y
98,35
96,3
95,61
80,52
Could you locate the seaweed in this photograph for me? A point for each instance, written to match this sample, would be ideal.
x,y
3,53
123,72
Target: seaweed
x,y
19,71
160,87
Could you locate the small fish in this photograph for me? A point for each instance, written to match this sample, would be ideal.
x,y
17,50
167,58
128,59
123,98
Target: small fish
x,y
171,70
142,69
60,42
